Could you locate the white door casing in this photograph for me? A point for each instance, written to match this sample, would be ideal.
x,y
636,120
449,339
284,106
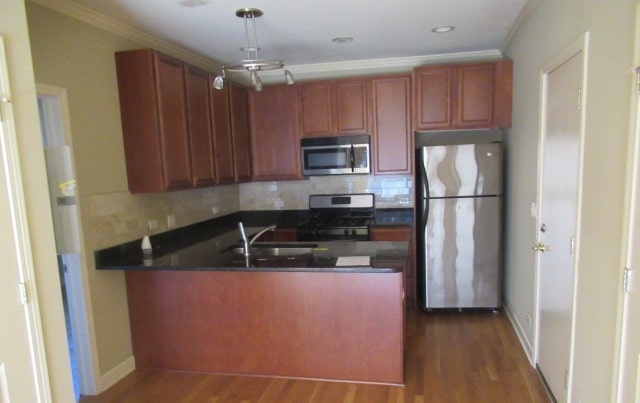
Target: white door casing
x,y
628,382
23,369
560,166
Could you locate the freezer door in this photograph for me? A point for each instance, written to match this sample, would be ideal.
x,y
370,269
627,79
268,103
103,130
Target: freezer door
x,y
461,170
462,254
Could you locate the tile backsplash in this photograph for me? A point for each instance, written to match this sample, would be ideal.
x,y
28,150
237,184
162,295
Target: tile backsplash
x,y
122,217
390,191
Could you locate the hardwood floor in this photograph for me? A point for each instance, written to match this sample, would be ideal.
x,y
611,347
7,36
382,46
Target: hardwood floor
x,y
451,357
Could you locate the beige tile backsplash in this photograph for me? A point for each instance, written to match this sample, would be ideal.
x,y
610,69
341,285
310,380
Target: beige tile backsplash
x,y
122,217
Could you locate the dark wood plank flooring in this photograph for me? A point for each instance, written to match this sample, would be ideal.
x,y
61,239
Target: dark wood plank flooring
x,y
451,357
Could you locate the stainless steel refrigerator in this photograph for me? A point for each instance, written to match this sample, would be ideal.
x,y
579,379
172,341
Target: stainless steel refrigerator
x,y
459,238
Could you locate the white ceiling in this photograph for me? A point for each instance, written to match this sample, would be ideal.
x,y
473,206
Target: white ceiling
x,y
300,31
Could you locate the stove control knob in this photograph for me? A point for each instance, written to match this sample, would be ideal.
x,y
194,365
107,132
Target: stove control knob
x,y
353,232
346,232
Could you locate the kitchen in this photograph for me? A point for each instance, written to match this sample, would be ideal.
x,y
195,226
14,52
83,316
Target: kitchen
x,y
101,176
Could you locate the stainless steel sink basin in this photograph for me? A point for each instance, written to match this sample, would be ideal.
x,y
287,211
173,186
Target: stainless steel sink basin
x,y
276,250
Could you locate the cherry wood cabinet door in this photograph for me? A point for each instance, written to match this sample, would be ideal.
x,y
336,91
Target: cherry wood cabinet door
x,y
432,97
281,235
392,136
463,96
221,118
275,144
199,123
173,121
240,133
395,234
154,122
316,108
351,106
474,95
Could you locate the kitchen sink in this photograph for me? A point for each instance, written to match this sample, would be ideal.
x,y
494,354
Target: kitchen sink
x,y
275,250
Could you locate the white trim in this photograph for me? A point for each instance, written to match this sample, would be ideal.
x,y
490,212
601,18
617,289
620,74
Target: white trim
x,y
118,372
17,205
527,11
579,45
526,346
301,72
621,393
79,305
91,17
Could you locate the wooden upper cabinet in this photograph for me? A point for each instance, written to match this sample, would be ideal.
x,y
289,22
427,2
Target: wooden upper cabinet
x,y
351,107
433,85
154,121
221,122
240,133
199,124
474,96
333,107
391,137
316,108
275,144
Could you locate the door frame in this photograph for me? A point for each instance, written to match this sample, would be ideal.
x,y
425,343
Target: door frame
x,y
21,234
581,44
629,237
78,286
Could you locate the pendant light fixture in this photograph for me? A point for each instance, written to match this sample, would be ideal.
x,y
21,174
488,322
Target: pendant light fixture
x,y
252,64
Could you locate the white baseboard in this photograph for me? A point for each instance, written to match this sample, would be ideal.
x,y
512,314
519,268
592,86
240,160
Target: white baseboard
x,y
528,348
110,378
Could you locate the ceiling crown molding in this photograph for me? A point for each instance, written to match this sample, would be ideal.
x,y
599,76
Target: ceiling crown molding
x,y
301,72
98,20
376,66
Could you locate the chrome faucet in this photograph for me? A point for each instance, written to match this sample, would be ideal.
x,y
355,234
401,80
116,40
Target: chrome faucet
x,y
248,243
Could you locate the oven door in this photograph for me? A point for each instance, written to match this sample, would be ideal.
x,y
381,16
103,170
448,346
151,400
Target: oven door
x,y
334,159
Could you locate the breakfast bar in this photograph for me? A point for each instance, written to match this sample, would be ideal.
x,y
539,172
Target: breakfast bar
x,y
324,310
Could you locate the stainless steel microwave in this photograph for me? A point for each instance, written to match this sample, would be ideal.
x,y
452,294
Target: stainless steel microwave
x,y
335,155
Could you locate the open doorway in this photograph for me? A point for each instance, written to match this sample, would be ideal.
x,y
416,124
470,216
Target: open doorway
x,y
52,107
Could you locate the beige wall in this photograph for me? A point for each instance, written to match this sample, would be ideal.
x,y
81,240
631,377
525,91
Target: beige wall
x,y
13,28
554,25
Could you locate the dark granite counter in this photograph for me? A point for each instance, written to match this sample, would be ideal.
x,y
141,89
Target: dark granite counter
x,y
209,246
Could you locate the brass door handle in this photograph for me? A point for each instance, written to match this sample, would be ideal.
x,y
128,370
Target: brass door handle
x,y
539,247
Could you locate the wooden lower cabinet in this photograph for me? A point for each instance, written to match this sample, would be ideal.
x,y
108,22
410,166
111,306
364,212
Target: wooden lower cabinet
x,y
401,234
318,325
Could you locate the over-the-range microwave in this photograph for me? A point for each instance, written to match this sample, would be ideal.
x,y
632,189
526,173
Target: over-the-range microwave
x,y
335,155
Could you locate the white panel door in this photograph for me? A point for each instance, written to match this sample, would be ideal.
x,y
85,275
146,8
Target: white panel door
x,y
17,365
558,222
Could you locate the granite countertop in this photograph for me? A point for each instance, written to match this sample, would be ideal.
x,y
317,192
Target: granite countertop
x,y
208,246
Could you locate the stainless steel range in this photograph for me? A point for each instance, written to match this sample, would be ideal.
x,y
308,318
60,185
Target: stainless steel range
x,y
338,217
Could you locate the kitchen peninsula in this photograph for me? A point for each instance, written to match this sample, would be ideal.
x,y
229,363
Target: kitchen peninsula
x,y
333,311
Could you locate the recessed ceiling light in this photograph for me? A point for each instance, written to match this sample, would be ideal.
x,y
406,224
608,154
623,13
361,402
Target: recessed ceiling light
x,y
194,3
443,29
342,39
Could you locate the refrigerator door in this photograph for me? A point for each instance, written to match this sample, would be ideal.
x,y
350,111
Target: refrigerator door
x,y
462,254
460,170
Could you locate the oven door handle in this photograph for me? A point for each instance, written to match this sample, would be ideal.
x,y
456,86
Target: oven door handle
x,y
353,159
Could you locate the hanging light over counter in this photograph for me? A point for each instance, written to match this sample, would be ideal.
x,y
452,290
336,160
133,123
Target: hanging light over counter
x,y
252,64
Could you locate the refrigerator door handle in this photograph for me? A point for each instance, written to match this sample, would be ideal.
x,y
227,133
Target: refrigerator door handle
x,y
424,179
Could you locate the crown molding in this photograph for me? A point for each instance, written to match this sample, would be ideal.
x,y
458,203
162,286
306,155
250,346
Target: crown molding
x,y
300,72
525,15
374,66
98,20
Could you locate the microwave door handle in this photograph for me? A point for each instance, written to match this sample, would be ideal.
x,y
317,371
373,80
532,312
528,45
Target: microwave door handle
x,y
353,159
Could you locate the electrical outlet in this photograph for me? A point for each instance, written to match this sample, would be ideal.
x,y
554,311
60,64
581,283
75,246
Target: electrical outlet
x,y
171,220
214,210
153,224
529,320
278,203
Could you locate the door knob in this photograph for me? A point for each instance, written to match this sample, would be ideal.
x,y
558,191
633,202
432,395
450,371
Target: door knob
x,y
539,247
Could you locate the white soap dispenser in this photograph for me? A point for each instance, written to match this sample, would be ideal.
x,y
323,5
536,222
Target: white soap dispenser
x,y
146,246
